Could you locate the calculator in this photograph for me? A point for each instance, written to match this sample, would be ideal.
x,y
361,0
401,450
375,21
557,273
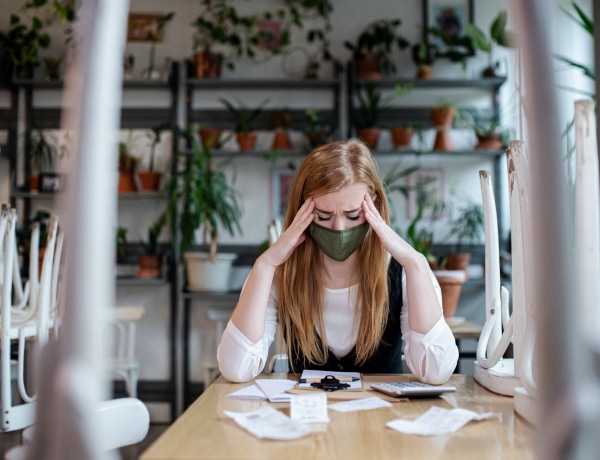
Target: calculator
x,y
411,389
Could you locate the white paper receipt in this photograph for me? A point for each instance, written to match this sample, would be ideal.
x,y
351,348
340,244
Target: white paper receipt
x,y
309,408
360,404
269,423
438,420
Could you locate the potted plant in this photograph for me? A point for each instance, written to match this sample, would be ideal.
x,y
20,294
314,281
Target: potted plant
x,y
52,68
422,240
424,54
443,116
467,226
317,131
498,36
153,34
121,244
319,12
370,103
149,263
150,178
487,130
244,121
457,48
373,48
127,168
20,45
210,136
202,198
220,26
42,153
402,134
282,121
449,280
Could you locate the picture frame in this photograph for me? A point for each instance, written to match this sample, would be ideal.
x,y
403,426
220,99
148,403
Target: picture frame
x,y
281,185
270,35
427,188
145,27
449,16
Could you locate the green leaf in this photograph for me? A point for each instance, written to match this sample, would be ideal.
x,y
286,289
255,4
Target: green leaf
x,y
478,38
498,25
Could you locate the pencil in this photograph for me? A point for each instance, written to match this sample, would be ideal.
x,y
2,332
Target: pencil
x,y
318,380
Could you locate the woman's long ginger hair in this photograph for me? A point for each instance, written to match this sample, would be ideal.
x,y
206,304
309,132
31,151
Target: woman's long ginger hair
x,y
300,287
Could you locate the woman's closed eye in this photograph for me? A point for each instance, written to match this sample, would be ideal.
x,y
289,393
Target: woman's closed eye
x,y
328,218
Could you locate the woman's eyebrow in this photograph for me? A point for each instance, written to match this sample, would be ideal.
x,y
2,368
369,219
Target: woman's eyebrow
x,y
352,210
323,212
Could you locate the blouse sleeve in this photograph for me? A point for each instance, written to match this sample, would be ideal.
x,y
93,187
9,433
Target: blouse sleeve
x,y
241,360
433,356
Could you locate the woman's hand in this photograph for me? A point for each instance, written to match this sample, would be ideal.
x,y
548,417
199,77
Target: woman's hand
x,y
292,237
393,243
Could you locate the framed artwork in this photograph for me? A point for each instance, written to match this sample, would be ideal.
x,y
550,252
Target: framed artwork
x,y
426,189
270,35
449,16
145,27
281,185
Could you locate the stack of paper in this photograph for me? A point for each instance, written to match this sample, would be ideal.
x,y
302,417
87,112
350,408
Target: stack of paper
x,y
273,390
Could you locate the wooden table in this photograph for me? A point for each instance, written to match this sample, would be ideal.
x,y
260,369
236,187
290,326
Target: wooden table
x,y
204,432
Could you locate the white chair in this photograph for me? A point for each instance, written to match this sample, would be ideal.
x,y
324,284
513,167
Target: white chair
x,y
27,322
491,370
121,355
121,422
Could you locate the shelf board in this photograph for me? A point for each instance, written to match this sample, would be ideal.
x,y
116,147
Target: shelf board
x,y
466,153
215,83
449,83
299,153
137,281
58,84
294,153
120,196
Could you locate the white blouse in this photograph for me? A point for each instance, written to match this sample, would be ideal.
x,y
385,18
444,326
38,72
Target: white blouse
x,y
241,360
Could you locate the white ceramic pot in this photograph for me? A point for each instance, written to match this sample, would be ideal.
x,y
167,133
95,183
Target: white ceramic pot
x,y
204,275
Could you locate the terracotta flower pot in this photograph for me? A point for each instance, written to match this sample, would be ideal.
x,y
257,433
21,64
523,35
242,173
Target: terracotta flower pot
x,y
246,141
369,136
402,137
424,72
208,65
488,143
451,288
127,182
367,67
458,261
210,137
281,141
149,266
150,180
442,121
34,183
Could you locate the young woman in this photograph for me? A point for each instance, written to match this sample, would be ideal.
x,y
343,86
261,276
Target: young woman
x,y
344,287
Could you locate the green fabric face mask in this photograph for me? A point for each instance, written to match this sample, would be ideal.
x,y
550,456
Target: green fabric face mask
x,y
339,244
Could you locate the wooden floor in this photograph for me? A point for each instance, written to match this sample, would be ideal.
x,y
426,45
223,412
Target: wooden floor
x,y
13,438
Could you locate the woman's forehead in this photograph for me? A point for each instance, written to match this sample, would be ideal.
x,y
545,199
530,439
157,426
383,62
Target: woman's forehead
x,y
347,198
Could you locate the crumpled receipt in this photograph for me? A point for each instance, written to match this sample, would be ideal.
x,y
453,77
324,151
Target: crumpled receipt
x,y
269,423
438,420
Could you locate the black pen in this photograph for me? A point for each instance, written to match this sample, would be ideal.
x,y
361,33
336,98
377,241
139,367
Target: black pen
x,y
340,379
